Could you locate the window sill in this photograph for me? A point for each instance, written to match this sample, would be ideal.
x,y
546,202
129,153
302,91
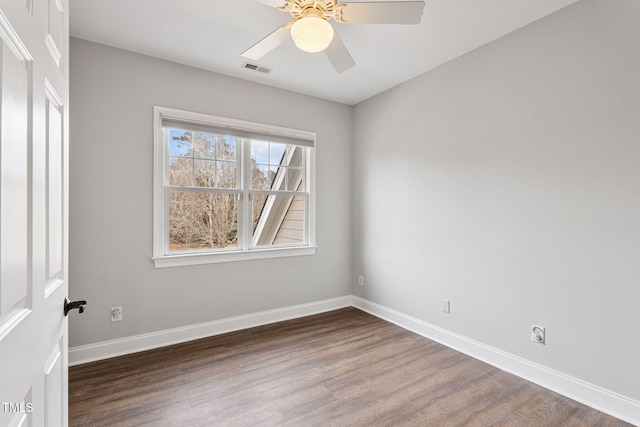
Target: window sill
x,y
180,260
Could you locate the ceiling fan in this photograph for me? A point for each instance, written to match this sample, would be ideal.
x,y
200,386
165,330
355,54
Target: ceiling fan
x,y
311,31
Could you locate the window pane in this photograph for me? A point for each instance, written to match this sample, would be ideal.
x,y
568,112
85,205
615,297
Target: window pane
x,y
204,145
276,175
202,221
204,172
296,158
276,153
262,177
226,148
180,171
227,174
278,220
273,173
257,205
260,152
179,143
295,180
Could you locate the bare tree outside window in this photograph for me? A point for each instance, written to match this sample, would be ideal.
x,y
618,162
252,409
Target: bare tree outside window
x,y
207,219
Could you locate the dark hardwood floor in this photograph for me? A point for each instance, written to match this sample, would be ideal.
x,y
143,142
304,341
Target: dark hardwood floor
x,y
342,368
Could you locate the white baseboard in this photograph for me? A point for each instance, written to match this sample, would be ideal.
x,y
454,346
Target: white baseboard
x,y
591,395
119,347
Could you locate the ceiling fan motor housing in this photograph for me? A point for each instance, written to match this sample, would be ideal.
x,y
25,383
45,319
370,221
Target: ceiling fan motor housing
x,y
299,9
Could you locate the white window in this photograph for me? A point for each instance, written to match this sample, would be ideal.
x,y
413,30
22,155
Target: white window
x,y
229,190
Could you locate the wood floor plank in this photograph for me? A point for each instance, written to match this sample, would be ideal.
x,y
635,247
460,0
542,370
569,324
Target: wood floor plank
x,y
342,368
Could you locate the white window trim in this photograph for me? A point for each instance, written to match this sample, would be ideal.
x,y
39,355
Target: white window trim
x,y
160,214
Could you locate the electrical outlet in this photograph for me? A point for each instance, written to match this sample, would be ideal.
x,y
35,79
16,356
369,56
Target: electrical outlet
x,y
446,306
116,314
538,334
360,280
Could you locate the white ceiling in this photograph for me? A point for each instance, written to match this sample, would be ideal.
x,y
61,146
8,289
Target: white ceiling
x,y
211,34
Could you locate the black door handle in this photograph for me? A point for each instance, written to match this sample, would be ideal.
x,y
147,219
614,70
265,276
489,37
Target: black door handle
x,y
69,305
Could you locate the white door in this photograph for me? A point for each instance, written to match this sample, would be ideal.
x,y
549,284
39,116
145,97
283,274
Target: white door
x,y
34,132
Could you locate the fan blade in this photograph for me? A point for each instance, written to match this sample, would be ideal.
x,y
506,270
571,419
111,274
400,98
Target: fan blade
x,y
273,3
397,12
268,43
338,55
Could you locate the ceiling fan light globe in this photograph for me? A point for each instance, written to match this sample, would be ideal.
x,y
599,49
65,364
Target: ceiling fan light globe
x,y
312,34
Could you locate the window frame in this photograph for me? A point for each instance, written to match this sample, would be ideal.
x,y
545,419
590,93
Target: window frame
x,y
161,256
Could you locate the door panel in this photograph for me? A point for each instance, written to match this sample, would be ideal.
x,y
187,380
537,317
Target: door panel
x,y
22,418
55,30
14,117
54,388
55,177
33,212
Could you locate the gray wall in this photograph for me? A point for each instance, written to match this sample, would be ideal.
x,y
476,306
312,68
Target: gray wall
x,y
508,181
112,95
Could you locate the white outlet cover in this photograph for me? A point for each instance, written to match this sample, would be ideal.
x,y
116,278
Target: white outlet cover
x,y
538,334
116,314
446,306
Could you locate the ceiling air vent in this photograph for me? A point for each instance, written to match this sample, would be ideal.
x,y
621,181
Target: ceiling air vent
x,y
256,67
